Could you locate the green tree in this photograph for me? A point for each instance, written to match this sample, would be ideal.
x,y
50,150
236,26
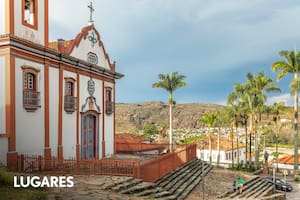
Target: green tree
x,y
291,65
170,82
150,129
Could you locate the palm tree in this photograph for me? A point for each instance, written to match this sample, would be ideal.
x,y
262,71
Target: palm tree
x,y
259,84
275,109
170,82
209,119
291,65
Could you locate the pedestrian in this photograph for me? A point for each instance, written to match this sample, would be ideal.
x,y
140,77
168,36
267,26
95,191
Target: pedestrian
x,y
240,184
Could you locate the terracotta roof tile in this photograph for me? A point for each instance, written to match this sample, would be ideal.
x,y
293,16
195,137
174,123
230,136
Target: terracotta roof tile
x,y
289,159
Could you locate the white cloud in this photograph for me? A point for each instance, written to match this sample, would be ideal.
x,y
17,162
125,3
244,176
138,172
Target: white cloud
x,y
286,98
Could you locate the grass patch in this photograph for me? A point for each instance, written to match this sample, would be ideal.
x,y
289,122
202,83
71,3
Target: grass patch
x,y
287,146
276,154
7,191
297,179
190,140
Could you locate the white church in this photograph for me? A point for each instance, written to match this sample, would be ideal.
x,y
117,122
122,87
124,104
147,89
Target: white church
x,y
56,98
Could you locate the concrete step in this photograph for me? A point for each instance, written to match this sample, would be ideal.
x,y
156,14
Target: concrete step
x,y
266,190
162,194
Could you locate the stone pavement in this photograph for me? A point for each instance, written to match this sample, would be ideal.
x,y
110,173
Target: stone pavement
x,y
90,187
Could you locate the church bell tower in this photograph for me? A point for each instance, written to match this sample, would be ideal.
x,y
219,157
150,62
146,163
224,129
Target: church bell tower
x,y
27,19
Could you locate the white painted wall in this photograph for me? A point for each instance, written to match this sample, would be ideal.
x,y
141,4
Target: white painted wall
x,y
109,127
29,125
53,108
33,35
83,95
2,17
69,125
85,47
222,155
3,150
2,95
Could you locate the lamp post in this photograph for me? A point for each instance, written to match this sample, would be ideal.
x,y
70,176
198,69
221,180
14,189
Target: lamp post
x,y
274,176
202,144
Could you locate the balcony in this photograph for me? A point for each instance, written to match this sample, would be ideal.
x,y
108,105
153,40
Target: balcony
x,y
109,107
70,104
31,100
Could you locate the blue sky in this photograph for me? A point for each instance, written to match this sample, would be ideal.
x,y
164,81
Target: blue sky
x,y
213,42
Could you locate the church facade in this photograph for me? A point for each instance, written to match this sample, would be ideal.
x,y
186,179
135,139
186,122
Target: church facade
x,y
56,98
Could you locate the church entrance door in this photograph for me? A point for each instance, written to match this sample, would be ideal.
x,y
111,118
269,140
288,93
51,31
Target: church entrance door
x,y
88,137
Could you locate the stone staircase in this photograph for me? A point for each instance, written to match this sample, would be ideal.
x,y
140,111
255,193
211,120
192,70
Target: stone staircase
x,y
256,188
175,185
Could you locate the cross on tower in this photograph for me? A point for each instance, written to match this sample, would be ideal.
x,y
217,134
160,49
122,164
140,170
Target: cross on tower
x,y
91,11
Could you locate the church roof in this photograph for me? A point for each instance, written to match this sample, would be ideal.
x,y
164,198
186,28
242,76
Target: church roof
x,y
69,45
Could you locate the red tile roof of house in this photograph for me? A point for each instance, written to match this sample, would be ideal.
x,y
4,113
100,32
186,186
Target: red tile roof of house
x,y
225,144
289,159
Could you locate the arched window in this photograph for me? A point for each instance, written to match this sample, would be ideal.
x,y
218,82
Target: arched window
x,y
31,95
70,103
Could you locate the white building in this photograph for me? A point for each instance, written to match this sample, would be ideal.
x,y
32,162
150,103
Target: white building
x,y
239,151
56,98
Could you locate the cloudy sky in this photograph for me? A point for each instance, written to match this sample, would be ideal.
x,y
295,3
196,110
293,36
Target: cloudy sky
x,y
213,42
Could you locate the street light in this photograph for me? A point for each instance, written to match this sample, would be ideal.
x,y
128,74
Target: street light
x,y
202,144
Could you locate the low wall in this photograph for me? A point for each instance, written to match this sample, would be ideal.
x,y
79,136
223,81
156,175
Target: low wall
x,y
155,169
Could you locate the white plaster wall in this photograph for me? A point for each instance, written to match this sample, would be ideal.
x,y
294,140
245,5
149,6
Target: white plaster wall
x,y
3,150
85,47
98,95
53,108
29,125
33,35
109,127
2,95
69,125
2,17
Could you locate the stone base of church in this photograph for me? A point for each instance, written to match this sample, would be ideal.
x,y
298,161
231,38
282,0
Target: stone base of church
x,y
12,161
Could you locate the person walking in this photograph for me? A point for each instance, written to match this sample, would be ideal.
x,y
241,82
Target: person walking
x,y
240,184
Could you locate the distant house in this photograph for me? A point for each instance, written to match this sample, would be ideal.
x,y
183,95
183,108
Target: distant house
x,y
225,151
287,162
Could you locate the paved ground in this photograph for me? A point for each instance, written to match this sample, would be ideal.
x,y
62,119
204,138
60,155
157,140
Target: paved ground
x,y
295,194
89,188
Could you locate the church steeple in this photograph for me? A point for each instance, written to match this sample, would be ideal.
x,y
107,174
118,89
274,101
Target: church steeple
x,y
26,19
91,8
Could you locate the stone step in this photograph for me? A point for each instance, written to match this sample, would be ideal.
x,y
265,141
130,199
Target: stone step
x,y
149,192
189,179
127,184
245,187
162,179
109,184
266,191
162,194
182,177
138,188
173,175
249,188
184,190
225,194
258,189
